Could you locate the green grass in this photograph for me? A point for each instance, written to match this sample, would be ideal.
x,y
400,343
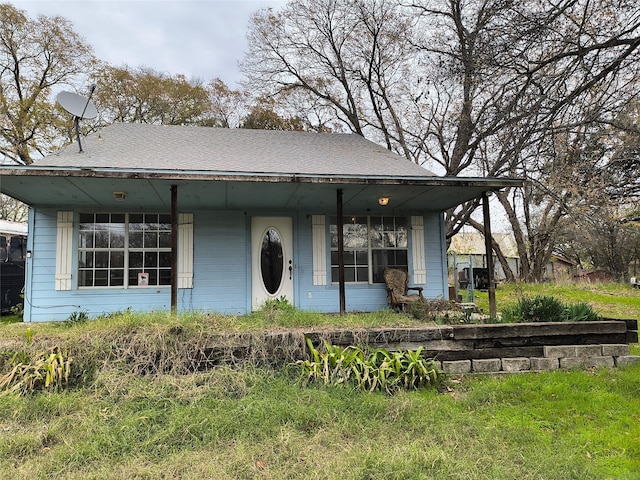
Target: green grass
x,y
610,300
257,424
254,423
6,319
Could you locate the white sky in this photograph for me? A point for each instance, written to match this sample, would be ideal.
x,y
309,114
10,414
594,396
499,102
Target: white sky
x,y
197,38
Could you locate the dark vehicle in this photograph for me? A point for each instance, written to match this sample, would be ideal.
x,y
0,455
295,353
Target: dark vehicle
x,y
13,249
480,278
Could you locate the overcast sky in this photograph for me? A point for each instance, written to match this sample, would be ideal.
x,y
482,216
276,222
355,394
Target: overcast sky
x,y
196,38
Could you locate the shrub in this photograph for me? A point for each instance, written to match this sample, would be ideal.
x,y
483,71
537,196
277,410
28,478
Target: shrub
x,y
543,308
581,312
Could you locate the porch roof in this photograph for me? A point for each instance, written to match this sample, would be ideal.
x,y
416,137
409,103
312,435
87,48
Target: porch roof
x,y
235,169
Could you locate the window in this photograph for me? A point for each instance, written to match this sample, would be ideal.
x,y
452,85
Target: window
x,y
370,245
114,249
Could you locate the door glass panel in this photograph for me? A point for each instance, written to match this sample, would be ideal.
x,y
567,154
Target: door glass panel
x,y
271,260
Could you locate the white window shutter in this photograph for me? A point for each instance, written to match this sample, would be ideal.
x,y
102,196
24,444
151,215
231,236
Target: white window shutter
x,y
417,250
185,250
64,250
319,240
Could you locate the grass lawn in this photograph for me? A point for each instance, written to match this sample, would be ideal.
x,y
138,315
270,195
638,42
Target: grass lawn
x,y
254,423
251,424
610,300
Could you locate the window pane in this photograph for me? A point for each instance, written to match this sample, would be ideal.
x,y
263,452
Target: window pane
x,y
164,240
136,218
165,276
133,276
271,261
355,232
376,236
150,239
86,239
150,218
363,274
135,238
362,257
349,274
150,259
401,238
333,234
85,278
101,238
349,258
102,259
165,259
117,259
117,278
85,259
117,236
101,278
135,260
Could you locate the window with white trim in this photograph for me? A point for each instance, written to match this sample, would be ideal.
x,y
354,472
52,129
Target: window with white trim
x,y
370,245
124,249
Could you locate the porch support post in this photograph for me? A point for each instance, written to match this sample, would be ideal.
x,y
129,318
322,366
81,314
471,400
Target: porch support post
x,y
489,251
340,222
174,248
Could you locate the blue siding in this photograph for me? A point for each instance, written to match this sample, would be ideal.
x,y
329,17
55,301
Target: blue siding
x,y
222,276
435,248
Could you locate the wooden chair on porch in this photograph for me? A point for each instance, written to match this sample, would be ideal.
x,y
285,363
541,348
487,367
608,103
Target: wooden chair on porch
x,y
397,283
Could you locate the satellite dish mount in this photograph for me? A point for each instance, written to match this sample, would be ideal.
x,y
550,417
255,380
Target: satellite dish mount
x,y
79,107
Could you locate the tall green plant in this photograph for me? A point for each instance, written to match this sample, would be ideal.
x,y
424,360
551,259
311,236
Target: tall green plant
x,y
374,370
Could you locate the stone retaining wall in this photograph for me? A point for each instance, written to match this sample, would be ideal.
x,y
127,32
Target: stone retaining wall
x,y
504,347
555,357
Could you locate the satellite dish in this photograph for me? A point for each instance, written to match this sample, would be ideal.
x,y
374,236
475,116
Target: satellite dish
x,y
79,107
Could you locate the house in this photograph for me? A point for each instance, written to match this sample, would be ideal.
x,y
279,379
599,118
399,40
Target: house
x,y
153,217
468,249
561,269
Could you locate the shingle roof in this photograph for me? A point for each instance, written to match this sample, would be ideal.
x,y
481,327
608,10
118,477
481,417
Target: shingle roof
x,y
179,148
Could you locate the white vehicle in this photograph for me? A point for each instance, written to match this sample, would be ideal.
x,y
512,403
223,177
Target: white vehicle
x,y
635,282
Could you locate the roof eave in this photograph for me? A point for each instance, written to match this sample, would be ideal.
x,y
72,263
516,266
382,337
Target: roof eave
x,y
491,183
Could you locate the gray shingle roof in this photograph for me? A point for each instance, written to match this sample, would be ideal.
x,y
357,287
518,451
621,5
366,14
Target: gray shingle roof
x,y
178,148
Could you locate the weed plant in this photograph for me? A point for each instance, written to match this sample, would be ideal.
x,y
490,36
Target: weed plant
x,y
46,371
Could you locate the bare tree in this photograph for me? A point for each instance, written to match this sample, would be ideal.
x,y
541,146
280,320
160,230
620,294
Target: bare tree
x,y
465,88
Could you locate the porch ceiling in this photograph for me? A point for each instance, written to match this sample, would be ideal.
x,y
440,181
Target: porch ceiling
x,y
84,188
